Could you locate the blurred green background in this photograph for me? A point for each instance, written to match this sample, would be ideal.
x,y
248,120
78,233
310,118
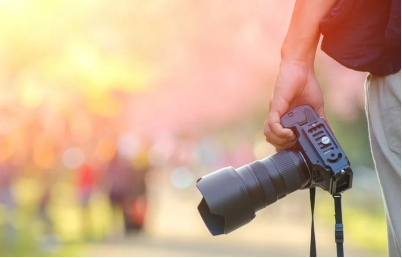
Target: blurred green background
x,y
110,111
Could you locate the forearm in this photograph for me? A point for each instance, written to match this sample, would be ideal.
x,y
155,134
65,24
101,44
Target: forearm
x,y
296,83
303,35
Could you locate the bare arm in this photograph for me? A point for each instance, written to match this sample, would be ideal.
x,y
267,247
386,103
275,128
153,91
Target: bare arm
x,y
296,83
303,34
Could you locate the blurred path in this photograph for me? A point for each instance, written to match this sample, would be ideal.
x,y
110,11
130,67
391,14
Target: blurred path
x,y
148,246
174,228
282,229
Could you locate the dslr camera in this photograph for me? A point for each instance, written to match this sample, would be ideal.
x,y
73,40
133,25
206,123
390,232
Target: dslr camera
x,y
231,197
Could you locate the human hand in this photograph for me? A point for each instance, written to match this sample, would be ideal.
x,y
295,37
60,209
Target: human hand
x,y
296,85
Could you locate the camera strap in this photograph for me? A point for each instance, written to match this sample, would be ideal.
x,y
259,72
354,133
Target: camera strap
x,y
338,225
313,251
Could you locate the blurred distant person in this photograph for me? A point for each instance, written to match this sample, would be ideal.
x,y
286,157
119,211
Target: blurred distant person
x,y
7,176
119,179
47,179
44,201
138,201
363,35
49,241
86,180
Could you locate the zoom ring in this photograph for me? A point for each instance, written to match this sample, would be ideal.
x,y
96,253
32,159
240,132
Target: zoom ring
x,y
287,163
262,174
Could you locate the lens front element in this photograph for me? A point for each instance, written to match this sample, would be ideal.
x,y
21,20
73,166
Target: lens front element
x,y
233,196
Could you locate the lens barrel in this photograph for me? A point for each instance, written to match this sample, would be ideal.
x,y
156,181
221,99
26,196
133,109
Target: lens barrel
x,y
231,197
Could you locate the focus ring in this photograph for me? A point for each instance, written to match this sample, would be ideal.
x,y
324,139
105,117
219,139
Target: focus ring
x,y
287,166
265,181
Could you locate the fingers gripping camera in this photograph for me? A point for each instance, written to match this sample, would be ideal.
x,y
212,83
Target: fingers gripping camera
x,y
328,164
231,197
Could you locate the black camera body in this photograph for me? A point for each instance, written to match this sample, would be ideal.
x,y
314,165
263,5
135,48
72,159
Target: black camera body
x,y
329,167
231,197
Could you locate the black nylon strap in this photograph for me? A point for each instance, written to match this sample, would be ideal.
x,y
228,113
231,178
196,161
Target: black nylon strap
x,y
338,225
313,251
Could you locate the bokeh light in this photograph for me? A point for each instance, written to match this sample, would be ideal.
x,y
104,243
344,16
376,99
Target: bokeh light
x,y
262,149
128,145
73,158
182,178
162,149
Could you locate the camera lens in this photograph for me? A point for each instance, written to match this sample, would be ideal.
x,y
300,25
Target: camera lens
x,y
231,197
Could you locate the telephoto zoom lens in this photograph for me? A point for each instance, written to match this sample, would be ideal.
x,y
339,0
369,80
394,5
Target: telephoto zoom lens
x,y
231,197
